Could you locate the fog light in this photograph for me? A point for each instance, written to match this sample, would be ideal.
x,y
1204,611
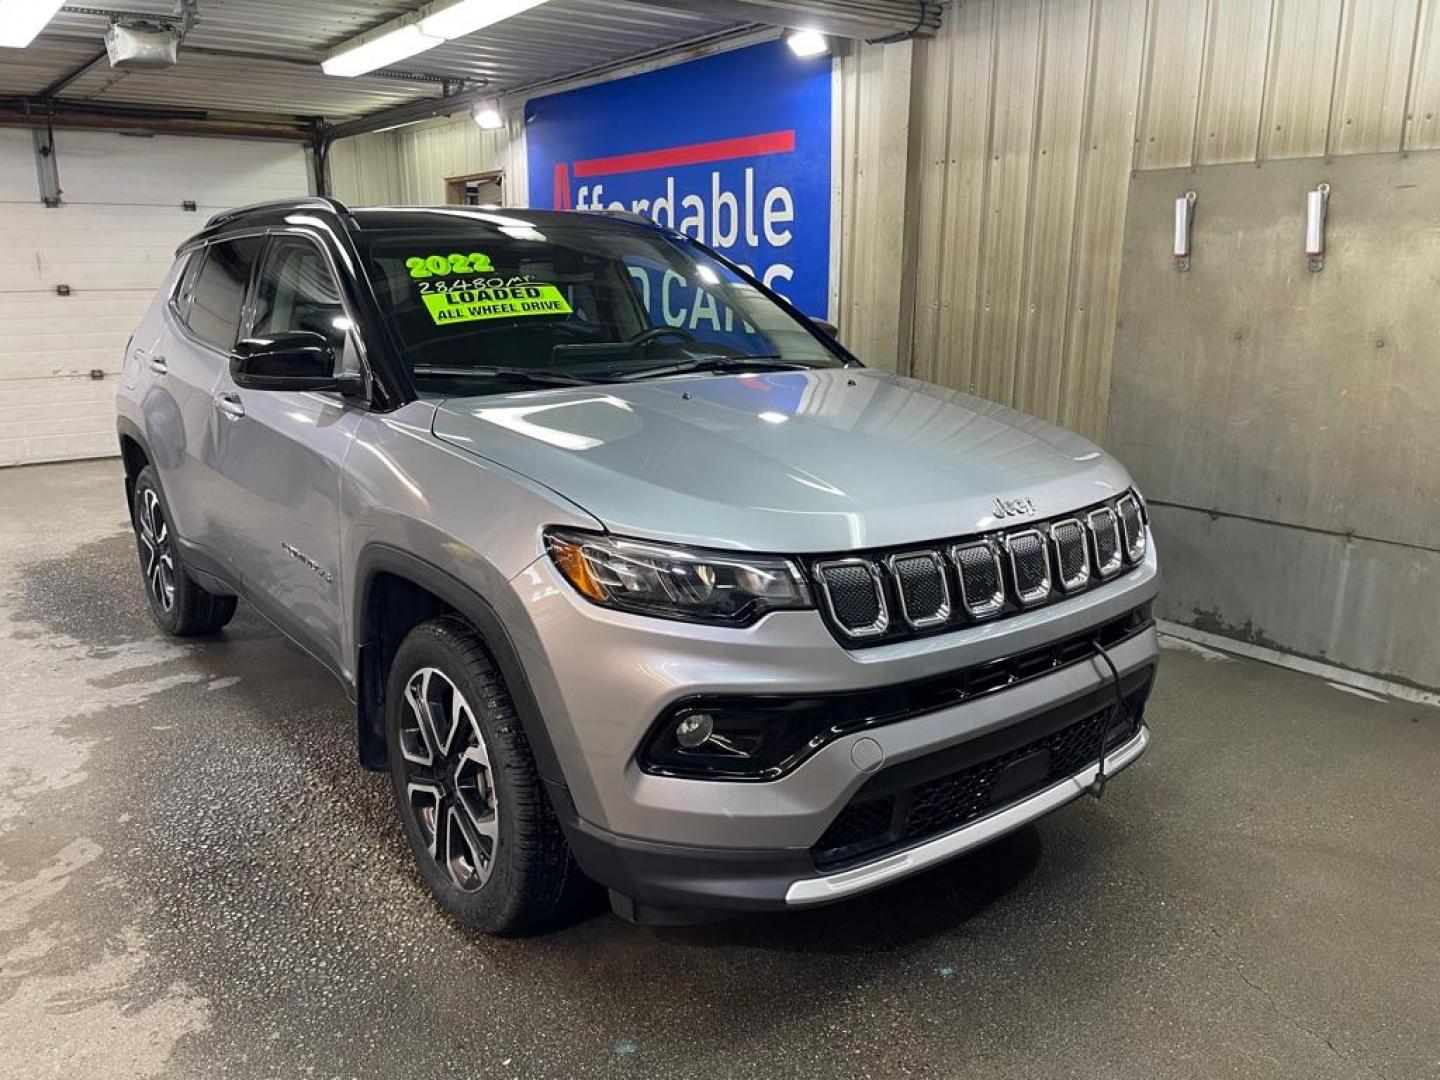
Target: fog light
x,y
694,730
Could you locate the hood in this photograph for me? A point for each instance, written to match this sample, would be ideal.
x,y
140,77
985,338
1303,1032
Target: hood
x,y
803,462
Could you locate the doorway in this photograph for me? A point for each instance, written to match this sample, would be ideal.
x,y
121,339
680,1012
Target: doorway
x,y
476,189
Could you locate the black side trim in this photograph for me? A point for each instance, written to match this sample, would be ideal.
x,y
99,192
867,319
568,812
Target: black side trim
x,y
206,567
370,718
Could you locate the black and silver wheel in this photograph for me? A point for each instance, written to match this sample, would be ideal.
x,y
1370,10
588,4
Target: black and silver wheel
x,y
449,787
157,560
471,802
178,605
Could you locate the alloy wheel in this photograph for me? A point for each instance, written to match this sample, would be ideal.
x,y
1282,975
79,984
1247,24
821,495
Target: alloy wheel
x,y
156,556
449,789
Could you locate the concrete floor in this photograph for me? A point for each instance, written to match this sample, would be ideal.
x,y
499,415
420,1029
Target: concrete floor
x,y
196,880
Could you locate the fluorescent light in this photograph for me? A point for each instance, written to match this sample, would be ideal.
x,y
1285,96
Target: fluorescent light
x,y
807,42
487,115
21,20
466,16
432,25
378,52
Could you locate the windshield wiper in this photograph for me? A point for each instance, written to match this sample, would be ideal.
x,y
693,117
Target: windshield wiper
x,y
757,362
507,374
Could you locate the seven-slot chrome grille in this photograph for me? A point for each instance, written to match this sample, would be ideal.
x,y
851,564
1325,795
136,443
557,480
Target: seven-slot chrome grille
x,y
873,597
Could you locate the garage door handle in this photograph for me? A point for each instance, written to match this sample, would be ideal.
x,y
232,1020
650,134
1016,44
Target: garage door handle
x,y
230,405
158,365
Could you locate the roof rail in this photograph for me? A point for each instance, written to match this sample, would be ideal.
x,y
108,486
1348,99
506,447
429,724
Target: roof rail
x,y
304,202
624,215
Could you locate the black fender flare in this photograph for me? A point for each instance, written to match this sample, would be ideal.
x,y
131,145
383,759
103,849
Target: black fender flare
x,y
125,428
370,676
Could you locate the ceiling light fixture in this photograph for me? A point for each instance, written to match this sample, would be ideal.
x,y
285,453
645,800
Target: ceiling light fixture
x,y
463,17
382,50
21,20
807,42
434,24
487,114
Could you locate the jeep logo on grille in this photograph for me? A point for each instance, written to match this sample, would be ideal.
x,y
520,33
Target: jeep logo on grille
x,y
1006,508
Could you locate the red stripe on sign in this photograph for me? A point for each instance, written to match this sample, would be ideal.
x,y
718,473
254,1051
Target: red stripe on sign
x,y
774,142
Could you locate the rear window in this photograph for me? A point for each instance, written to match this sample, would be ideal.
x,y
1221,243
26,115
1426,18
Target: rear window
x,y
218,294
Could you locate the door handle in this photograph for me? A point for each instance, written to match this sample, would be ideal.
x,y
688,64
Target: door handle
x,y
230,405
159,365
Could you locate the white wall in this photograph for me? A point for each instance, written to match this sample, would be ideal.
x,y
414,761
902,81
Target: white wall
x,y
111,241
409,165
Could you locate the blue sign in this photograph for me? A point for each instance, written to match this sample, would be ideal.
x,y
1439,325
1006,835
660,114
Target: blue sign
x,y
732,149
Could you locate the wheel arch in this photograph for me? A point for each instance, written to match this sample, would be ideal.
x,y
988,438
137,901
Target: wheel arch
x,y
134,453
395,592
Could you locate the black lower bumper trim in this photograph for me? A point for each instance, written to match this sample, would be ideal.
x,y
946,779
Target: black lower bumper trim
x,y
657,879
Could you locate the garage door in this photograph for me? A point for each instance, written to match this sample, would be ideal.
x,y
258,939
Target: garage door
x,y
75,279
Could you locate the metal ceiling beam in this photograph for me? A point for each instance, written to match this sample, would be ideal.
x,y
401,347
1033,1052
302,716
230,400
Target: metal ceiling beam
x,y
864,19
411,113
38,114
70,76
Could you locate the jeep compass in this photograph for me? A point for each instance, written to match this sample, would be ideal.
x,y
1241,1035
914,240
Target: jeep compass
x,y
634,574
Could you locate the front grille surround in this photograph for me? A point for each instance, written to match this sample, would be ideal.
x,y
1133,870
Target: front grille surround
x,y
1029,556
854,624
1104,532
972,562
870,598
1071,547
1132,527
939,610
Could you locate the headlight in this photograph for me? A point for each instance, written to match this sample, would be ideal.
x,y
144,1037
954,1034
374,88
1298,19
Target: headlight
x,y
676,582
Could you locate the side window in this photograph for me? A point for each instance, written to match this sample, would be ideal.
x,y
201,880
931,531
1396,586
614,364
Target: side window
x,y
298,292
185,282
219,291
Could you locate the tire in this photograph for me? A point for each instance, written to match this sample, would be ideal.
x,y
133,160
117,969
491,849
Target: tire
x,y
177,603
475,812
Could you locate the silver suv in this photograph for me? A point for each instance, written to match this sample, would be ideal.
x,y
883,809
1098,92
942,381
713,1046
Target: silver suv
x,y
634,574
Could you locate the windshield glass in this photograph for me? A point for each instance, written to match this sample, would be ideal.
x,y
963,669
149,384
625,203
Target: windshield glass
x,y
483,302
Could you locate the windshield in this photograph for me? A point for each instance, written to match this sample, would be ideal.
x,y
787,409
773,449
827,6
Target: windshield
x,y
481,305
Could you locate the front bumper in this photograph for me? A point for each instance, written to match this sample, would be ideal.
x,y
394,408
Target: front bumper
x,y
657,881
600,678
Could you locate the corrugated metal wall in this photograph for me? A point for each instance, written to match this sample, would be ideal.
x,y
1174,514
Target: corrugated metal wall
x,y
409,165
1028,116
982,174
873,102
1025,116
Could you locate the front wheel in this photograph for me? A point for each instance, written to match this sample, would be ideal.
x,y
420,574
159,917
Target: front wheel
x,y
470,799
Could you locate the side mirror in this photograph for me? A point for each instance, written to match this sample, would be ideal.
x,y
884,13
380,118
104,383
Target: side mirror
x,y
295,360
828,326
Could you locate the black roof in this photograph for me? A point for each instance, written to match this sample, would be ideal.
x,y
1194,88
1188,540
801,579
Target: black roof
x,y
427,217
378,218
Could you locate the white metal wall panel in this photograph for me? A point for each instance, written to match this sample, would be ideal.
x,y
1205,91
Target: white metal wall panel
x,y
1422,117
1377,44
111,241
365,169
409,165
1237,49
1295,119
873,106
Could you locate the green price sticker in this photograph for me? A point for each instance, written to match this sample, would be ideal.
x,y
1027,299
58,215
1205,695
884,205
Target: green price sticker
x,y
505,302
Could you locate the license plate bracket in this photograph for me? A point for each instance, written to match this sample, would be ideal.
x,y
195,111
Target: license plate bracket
x,y
1020,777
